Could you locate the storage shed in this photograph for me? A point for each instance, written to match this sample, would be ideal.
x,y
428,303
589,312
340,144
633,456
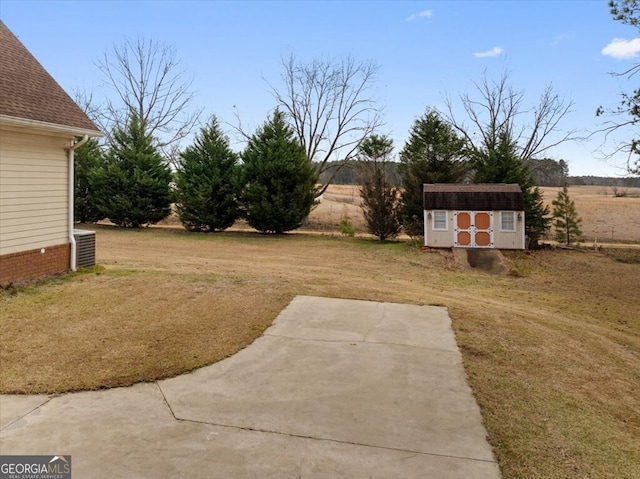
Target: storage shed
x,y
39,127
474,216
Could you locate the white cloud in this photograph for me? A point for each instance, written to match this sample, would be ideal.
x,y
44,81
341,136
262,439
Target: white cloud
x,y
622,49
494,52
422,14
560,38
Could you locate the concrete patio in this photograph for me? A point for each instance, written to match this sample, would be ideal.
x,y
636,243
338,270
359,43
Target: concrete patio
x,y
335,388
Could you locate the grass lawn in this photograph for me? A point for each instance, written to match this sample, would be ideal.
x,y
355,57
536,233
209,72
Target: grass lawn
x,y
552,351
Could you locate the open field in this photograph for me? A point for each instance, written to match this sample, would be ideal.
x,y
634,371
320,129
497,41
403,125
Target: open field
x,y
338,201
552,351
604,217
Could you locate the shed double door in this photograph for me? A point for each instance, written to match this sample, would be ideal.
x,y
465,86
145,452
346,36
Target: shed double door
x,y
473,229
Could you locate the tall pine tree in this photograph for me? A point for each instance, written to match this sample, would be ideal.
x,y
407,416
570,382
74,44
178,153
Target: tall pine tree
x,y
432,154
278,179
380,197
207,184
133,188
565,217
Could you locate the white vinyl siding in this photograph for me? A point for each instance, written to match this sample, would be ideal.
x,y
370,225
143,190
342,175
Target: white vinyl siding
x,y
33,191
440,221
508,221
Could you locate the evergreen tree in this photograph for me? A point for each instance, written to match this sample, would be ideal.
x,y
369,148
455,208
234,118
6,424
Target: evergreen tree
x,y
133,188
498,162
87,159
380,198
536,213
207,192
278,179
566,219
433,154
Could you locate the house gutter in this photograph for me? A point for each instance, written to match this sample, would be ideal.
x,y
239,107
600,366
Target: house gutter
x,y
43,126
71,213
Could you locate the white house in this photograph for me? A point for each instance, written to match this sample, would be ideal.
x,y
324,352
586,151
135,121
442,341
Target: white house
x,y
39,129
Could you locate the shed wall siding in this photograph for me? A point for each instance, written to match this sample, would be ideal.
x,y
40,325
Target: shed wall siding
x,y
508,239
437,238
33,191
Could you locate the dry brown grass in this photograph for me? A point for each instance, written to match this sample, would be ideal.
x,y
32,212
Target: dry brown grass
x,y
552,351
557,374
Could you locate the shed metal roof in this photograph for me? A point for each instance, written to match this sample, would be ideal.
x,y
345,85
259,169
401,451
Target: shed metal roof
x,y
28,92
479,197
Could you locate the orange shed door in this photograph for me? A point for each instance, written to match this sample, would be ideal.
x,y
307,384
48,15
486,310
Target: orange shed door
x,y
483,235
473,229
463,231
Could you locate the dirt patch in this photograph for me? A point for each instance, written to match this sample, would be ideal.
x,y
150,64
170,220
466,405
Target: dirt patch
x,y
485,260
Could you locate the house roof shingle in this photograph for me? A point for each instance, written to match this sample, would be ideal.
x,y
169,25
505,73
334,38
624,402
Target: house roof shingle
x,y
479,197
28,92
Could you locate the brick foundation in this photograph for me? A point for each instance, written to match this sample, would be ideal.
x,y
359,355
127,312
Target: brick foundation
x,y
34,264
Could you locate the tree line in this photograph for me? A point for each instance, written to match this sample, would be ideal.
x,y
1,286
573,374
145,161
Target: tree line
x,y
546,172
273,185
628,182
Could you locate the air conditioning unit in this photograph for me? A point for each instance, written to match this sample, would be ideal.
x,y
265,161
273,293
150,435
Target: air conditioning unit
x,y
85,248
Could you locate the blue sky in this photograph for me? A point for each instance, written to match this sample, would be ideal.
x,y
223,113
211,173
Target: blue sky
x,y
426,50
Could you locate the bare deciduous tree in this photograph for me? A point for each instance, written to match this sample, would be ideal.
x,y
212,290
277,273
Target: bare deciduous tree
x,y
88,104
498,110
629,110
147,78
627,12
503,135
330,106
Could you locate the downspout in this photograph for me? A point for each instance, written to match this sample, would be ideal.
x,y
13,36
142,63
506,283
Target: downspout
x,y
71,212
